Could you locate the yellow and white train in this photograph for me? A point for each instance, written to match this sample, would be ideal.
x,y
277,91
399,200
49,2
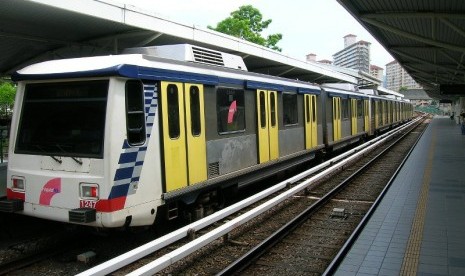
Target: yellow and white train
x,y
117,141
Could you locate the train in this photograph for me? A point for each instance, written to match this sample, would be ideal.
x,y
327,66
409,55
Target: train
x,y
168,131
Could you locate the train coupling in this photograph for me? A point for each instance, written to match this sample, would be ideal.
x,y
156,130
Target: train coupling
x,y
11,205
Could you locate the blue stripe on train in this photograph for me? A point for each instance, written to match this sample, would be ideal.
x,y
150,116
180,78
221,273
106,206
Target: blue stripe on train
x,y
119,191
127,157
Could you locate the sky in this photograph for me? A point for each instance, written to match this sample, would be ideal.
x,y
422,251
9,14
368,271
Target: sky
x,y
307,26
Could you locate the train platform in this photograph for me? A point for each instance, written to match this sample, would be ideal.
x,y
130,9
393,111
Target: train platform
x,y
419,226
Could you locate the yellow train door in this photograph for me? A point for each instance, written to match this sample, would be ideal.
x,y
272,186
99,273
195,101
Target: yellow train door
x,y
310,121
384,116
388,113
353,115
314,121
267,122
336,118
376,114
365,115
195,133
183,128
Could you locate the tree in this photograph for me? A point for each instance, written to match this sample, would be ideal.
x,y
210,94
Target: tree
x,y
247,23
403,89
7,99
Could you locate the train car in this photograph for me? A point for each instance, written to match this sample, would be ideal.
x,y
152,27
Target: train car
x,y
112,141
167,131
385,112
346,116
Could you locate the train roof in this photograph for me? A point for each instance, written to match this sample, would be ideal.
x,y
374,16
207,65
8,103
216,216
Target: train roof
x,y
183,63
149,67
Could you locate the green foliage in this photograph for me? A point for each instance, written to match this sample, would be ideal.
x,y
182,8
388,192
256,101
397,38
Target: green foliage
x,y
247,23
7,99
403,89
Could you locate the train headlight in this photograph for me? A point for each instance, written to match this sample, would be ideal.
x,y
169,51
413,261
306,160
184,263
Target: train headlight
x,y
89,191
18,183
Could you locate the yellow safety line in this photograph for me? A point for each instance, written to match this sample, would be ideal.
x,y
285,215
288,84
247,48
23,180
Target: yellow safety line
x,y
412,254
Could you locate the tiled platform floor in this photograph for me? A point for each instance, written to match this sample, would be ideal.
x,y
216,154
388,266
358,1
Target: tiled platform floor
x,y
419,227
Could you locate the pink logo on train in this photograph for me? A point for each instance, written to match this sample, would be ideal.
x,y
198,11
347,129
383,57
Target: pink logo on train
x,y
51,188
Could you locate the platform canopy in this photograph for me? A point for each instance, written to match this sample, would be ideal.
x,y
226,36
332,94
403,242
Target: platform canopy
x,y
38,30
427,37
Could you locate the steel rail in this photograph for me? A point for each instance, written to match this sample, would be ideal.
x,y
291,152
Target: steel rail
x,y
157,244
178,254
253,254
332,267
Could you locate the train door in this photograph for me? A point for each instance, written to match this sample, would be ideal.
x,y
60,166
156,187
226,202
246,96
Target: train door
x,y
353,115
183,125
383,113
336,118
377,113
310,121
366,116
267,114
402,115
389,112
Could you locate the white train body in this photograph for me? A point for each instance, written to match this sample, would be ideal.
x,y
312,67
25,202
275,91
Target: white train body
x,y
53,188
89,147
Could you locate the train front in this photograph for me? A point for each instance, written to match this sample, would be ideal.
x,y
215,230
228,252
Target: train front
x,y
68,137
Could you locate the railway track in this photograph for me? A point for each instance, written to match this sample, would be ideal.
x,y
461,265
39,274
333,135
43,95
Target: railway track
x,y
231,246
214,256
25,241
310,242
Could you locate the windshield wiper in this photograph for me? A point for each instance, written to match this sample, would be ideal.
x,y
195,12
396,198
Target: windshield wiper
x,y
53,157
74,158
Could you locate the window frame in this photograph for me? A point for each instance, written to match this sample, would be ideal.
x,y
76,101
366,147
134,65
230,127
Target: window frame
x,y
27,99
239,95
195,112
139,111
295,107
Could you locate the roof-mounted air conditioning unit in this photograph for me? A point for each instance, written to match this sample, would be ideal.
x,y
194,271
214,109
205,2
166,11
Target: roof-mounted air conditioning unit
x,y
187,52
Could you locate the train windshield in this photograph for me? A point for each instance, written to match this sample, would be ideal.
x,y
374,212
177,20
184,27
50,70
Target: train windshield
x,y
63,119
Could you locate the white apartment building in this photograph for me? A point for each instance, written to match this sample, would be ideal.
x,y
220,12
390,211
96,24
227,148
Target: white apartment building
x,y
355,55
397,77
377,72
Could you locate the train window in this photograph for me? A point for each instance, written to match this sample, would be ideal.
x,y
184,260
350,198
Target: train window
x,y
307,110
195,110
290,114
230,110
273,109
262,109
63,119
314,108
345,108
173,111
359,108
135,116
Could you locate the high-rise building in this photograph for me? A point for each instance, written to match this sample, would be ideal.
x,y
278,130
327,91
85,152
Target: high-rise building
x,y
397,77
312,58
355,55
377,72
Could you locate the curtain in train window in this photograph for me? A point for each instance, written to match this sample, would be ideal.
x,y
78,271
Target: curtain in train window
x,y
230,110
